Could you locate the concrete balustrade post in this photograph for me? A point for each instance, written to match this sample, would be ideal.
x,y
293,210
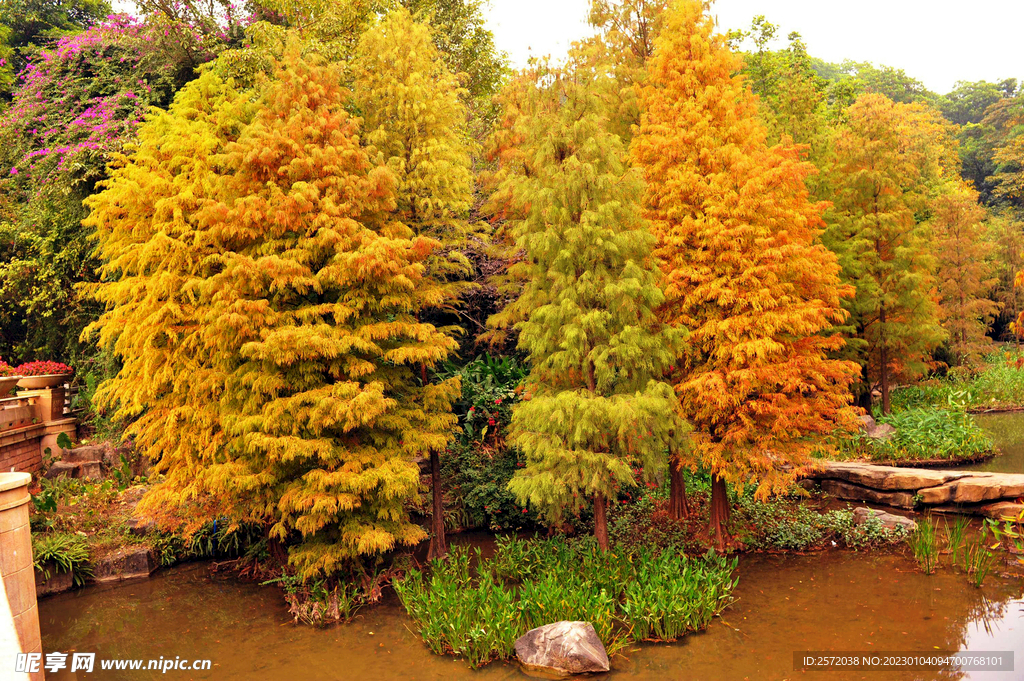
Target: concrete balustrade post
x,y
17,570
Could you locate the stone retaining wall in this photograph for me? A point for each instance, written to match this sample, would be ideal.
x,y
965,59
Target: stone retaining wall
x,y
994,495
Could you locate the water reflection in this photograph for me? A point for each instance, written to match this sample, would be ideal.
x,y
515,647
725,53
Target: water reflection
x,y
835,601
1008,432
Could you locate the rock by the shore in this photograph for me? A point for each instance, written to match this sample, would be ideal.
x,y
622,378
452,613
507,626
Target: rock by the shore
x,y
874,430
57,582
563,648
890,521
127,563
852,492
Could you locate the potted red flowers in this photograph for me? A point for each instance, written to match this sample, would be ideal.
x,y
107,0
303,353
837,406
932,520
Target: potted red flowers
x,y
37,375
9,378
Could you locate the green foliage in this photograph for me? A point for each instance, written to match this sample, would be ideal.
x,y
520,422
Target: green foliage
x,y
978,559
217,539
319,602
955,536
461,35
478,614
780,524
932,434
923,542
490,389
65,553
998,385
594,400
29,25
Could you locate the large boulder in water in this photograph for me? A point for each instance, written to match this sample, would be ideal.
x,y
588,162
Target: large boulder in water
x,y
563,648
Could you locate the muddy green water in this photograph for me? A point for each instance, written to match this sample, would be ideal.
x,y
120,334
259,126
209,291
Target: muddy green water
x,y
1008,432
833,601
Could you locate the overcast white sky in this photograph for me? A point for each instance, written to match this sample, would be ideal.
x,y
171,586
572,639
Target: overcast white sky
x,y
936,41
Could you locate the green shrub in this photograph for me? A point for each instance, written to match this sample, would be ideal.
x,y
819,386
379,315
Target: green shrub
x,y
478,614
65,553
782,524
922,434
999,384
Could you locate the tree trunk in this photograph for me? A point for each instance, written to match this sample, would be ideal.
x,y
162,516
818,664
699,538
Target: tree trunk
x,y
438,546
884,369
719,511
678,508
601,521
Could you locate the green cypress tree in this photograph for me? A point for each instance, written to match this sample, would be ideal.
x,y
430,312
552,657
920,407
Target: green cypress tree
x,y
594,404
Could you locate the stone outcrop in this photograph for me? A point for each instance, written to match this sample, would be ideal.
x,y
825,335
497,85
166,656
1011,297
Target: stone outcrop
x,y
563,648
126,563
877,431
993,495
890,521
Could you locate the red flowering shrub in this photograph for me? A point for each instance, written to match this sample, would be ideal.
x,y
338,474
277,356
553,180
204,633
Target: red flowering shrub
x,y
45,368
7,370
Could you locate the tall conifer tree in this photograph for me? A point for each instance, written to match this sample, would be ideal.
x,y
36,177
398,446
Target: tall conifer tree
x,y
880,174
416,120
742,270
595,404
307,304
965,271
155,245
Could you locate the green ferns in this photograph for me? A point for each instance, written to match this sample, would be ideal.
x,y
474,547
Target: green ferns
x,y
478,613
64,553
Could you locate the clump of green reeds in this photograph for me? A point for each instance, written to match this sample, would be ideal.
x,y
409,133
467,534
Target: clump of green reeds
x,y
478,612
924,543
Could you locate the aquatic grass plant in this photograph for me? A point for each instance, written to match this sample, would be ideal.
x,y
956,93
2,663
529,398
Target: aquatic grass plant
x,y
923,542
928,433
476,608
922,434
979,561
998,385
1010,530
665,602
955,536
319,602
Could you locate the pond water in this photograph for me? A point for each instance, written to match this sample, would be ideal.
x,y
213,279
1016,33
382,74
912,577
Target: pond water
x,y
1007,430
839,601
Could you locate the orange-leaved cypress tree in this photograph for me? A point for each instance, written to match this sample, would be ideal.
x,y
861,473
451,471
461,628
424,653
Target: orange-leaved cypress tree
x,y
415,119
155,246
880,174
742,269
594,400
966,271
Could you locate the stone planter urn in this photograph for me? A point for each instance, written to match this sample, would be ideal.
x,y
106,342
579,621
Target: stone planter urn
x,y
7,384
44,381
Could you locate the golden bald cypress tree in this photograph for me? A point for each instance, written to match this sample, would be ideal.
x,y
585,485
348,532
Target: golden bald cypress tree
x,y
416,121
307,301
966,271
154,241
742,269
